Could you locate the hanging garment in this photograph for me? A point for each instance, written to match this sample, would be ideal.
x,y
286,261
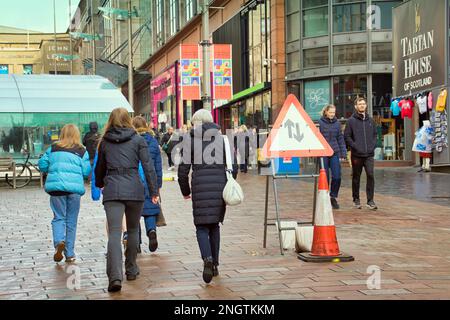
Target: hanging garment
x,y
422,104
430,101
407,107
442,101
395,108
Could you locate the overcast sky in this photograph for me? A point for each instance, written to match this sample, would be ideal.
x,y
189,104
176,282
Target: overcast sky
x,y
36,15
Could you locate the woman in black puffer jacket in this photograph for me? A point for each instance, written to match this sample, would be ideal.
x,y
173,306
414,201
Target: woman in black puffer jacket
x,y
119,154
208,181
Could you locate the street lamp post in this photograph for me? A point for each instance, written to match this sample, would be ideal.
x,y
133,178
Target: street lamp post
x,y
70,37
54,28
205,43
130,57
94,54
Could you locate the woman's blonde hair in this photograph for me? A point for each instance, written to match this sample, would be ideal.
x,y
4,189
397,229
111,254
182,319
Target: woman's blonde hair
x,y
119,118
244,128
326,109
140,124
70,137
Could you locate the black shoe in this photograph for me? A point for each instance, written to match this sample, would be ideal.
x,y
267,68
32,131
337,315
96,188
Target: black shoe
x,y
357,204
215,271
371,205
334,204
208,270
153,241
132,277
59,252
115,286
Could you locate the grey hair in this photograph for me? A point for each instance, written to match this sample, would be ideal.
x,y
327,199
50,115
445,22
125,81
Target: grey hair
x,y
202,116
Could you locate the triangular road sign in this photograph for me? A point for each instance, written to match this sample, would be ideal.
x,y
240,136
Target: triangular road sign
x,y
294,134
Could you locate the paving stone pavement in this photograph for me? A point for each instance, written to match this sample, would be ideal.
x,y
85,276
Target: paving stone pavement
x,y
407,239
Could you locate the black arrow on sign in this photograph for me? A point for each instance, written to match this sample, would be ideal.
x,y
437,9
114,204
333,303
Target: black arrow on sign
x,y
297,135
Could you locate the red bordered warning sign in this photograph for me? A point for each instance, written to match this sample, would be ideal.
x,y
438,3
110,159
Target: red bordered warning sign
x,y
294,134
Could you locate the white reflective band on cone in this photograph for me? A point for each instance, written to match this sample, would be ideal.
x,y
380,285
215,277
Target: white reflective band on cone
x,y
324,211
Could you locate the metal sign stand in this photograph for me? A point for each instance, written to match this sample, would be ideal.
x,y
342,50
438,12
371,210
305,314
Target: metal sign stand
x,y
277,218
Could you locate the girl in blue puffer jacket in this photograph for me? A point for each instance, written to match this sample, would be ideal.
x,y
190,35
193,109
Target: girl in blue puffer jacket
x,y
150,211
67,165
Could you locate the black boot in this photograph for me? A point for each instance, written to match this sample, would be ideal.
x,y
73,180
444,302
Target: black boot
x,y
115,286
334,204
208,270
215,271
153,241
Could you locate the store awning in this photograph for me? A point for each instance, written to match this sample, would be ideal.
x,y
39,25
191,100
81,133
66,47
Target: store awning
x,y
59,94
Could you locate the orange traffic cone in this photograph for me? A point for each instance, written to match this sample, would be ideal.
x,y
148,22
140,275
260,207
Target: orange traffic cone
x,y
325,247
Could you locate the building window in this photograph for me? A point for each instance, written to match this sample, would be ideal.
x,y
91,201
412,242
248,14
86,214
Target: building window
x,y
317,96
349,17
191,9
317,57
315,18
174,20
4,69
386,12
292,20
382,52
27,69
159,23
353,53
346,90
293,61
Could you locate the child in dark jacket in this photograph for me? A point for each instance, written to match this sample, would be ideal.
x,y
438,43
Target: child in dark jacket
x,y
331,130
150,210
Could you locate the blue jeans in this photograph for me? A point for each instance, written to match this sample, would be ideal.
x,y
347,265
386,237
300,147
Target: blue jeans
x,y
64,225
334,164
208,238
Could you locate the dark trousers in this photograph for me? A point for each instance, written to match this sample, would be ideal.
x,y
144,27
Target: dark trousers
x,y
333,164
114,214
368,164
163,127
169,157
208,238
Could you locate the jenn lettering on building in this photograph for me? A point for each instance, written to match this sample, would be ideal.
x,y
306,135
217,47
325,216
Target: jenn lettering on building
x,y
420,43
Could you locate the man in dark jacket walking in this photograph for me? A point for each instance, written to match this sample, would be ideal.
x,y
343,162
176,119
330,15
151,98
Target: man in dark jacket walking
x,y
91,140
361,136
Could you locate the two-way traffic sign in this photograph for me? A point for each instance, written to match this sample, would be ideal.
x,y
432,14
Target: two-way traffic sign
x,y
294,134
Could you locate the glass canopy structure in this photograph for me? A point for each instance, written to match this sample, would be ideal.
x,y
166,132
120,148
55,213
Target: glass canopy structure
x,y
34,108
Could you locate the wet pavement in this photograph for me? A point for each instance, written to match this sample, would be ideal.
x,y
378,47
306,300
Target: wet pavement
x,y
407,239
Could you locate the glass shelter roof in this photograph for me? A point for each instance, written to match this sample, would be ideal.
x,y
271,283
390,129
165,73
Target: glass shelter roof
x,y
59,94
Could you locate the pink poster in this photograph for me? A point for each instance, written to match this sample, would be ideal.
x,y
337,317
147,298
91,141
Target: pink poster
x,y
164,95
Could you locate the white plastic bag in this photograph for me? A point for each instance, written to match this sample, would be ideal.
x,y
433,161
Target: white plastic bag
x,y
232,193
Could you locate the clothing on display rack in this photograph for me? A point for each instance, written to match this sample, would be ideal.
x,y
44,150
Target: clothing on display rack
x,y
407,108
395,108
422,104
442,101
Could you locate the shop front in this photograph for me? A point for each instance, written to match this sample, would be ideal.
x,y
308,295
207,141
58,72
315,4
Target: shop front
x,y
342,91
165,97
421,77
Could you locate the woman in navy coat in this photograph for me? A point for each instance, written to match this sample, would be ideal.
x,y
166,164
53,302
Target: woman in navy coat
x,y
150,211
331,130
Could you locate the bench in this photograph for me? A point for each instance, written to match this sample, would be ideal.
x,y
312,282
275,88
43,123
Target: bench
x,y
6,165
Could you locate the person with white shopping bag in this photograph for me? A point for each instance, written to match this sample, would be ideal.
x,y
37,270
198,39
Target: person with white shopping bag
x,y
207,158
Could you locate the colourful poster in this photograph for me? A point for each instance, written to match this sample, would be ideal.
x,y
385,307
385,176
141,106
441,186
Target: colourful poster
x,y
190,72
222,71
